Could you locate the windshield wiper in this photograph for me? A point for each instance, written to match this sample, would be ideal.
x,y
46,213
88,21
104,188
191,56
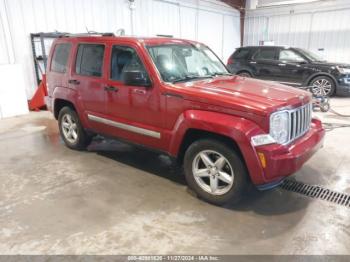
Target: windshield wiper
x,y
189,78
221,74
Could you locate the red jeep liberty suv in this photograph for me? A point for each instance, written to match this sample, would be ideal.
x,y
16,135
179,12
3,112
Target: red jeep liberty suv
x,y
177,97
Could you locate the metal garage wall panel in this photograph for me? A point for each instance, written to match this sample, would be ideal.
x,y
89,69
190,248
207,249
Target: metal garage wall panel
x,y
325,30
4,59
255,30
190,19
299,30
231,36
165,18
332,35
210,30
188,22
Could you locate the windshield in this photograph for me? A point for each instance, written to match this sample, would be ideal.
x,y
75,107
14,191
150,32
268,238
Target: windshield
x,y
185,62
312,56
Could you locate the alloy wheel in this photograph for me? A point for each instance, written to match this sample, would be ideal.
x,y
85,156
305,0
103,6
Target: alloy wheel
x,y
322,87
69,128
213,172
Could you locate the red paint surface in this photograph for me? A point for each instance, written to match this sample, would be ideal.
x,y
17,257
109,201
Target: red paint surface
x,y
231,106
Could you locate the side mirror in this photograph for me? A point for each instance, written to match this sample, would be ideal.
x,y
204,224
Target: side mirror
x,y
136,78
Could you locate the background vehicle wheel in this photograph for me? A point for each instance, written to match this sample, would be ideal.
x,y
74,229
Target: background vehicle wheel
x,y
325,107
71,130
215,172
322,86
244,74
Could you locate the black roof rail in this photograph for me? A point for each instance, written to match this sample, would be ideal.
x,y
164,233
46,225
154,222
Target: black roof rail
x,y
91,33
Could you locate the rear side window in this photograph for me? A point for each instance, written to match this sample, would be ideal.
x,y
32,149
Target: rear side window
x,y
60,58
266,54
90,60
241,53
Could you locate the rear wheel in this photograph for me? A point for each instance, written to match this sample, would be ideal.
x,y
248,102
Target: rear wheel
x,y
322,86
215,172
71,130
244,74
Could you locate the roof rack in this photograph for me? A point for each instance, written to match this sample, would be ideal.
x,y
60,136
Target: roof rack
x,y
91,33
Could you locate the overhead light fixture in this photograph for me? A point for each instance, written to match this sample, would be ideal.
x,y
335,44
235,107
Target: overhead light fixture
x,y
271,3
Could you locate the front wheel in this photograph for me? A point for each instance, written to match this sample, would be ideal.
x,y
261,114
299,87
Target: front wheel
x,y
322,86
215,172
71,130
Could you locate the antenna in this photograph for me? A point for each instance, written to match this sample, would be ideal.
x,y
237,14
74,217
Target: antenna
x,y
120,32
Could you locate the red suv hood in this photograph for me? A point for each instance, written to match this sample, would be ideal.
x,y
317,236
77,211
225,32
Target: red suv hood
x,y
243,94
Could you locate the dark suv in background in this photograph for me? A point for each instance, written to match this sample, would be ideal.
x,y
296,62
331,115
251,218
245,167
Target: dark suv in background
x,y
291,66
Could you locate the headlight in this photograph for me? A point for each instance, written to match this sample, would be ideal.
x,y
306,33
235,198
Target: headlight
x,y
279,130
279,126
343,70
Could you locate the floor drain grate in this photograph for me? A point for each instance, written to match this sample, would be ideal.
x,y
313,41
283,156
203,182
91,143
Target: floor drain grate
x,y
317,192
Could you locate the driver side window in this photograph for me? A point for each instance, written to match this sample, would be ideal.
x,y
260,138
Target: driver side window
x,y
290,56
123,59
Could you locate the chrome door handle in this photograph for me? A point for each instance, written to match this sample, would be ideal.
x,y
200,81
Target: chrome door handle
x,y
282,64
252,62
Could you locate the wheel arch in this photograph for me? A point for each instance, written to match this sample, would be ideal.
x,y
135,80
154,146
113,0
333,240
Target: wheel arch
x,y
194,134
244,71
312,77
59,103
232,130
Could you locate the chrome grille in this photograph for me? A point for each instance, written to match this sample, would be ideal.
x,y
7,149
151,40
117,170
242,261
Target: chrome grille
x,y
299,121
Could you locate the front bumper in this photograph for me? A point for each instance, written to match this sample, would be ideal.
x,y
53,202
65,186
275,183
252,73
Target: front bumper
x,y
282,161
343,86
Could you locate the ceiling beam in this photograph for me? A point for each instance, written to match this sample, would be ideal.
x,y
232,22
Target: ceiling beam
x,y
237,4
240,6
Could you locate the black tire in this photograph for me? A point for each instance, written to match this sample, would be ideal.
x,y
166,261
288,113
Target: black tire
x,y
240,173
244,74
317,80
83,139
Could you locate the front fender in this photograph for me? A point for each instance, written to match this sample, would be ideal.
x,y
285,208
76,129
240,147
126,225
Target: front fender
x,y
239,129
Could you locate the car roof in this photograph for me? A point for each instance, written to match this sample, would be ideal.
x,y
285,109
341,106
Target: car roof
x,y
266,46
131,39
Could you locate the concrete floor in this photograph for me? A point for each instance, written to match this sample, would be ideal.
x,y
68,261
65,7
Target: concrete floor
x,y
116,199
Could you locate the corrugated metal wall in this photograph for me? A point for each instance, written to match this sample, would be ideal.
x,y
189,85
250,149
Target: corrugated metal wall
x,y
209,21
322,29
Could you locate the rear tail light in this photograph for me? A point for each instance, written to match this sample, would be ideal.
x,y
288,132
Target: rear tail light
x,y
230,60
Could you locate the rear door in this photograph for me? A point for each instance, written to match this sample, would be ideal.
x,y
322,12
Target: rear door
x,y
87,77
265,64
58,72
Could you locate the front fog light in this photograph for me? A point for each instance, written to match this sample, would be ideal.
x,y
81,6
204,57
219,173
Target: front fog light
x,y
279,126
260,140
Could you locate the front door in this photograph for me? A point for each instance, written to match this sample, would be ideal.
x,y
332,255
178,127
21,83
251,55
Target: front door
x,y
292,67
134,111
